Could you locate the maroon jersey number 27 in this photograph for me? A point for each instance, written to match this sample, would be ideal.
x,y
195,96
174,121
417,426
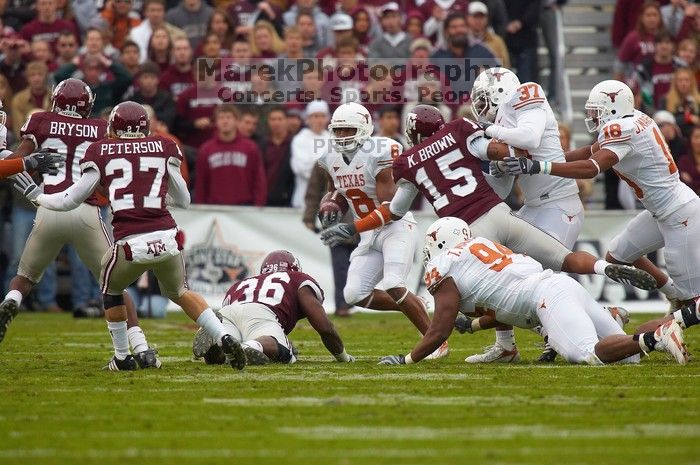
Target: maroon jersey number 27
x,y
447,173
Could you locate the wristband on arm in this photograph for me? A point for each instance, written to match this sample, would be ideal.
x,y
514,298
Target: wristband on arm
x,y
374,220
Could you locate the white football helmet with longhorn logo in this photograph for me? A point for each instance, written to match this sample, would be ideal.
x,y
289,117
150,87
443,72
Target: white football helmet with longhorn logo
x,y
350,115
608,100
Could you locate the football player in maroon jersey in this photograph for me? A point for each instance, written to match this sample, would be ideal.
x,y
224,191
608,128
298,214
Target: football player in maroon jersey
x,y
444,164
140,172
69,130
261,311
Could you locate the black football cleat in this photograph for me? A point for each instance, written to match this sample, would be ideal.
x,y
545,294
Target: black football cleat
x,y
8,311
255,357
233,351
148,358
128,364
630,275
214,356
548,354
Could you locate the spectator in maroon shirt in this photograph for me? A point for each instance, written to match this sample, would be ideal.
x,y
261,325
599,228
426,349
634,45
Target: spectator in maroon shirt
x,y
276,152
653,75
178,76
47,26
639,43
689,165
264,41
160,47
230,169
194,121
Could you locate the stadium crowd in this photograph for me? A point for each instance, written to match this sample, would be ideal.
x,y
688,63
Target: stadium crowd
x,y
146,51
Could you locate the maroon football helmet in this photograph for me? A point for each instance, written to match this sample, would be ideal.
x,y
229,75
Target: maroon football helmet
x,y
279,260
72,97
422,122
128,120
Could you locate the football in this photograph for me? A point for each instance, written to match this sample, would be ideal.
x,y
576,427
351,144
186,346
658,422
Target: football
x,y
333,202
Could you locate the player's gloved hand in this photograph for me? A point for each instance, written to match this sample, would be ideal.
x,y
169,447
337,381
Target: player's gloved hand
x,y
338,234
329,218
26,185
392,360
485,125
45,161
521,165
497,168
463,324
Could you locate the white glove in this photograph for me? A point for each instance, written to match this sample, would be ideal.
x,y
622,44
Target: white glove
x,y
26,185
492,131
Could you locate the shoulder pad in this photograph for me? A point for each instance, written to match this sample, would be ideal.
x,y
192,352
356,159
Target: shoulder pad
x,y
528,95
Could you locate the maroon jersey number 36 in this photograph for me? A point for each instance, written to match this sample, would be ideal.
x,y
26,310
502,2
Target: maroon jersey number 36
x,y
447,174
278,291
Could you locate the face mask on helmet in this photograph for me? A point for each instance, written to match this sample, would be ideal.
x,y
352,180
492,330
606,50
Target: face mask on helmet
x,y
482,106
595,114
345,138
3,118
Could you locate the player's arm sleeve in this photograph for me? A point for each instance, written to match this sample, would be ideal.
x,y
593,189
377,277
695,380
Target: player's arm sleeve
x,y
178,195
73,196
11,166
527,134
313,285
403,199
478,146
620,144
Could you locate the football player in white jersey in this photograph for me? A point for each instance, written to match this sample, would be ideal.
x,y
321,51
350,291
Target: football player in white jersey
x,y
632,145
359,168
465,273
520,116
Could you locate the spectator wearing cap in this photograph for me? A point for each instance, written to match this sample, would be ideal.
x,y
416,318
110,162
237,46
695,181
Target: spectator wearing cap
x,y
458,44
154,16
47,25
36,95
192,16
393,43
671,132
341,24
178,76
414,24
307,146
689,165
321,20
107,78
12,66
436,12
478,22
229,156
521,37
683,100
639,43
148,93
653,75
118,17
276,151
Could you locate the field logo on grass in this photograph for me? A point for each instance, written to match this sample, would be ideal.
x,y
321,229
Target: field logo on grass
x,y
214,265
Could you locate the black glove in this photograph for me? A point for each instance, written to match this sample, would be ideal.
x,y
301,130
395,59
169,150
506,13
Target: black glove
x,y
463,324
45,161
520,165
338,234
392,360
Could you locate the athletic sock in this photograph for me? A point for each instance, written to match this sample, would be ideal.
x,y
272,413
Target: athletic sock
x,y
120,341
647,341
599,267
506,339
15,295
688,316
253,344
137,339
669,290
211,325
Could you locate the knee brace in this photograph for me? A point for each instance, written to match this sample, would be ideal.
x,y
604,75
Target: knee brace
x,y
112,300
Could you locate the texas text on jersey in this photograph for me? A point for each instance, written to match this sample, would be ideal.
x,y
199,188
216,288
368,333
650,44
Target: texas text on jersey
x,y
70,137
447,174
278,291
134,172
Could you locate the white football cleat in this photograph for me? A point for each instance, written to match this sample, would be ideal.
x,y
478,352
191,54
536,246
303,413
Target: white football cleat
x,y
495,354
620,315
440,352
669,338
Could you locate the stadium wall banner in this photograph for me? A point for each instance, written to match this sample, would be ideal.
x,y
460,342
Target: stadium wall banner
x,y
227,244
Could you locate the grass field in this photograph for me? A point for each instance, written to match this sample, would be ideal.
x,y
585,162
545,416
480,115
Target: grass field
x,y
57,407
